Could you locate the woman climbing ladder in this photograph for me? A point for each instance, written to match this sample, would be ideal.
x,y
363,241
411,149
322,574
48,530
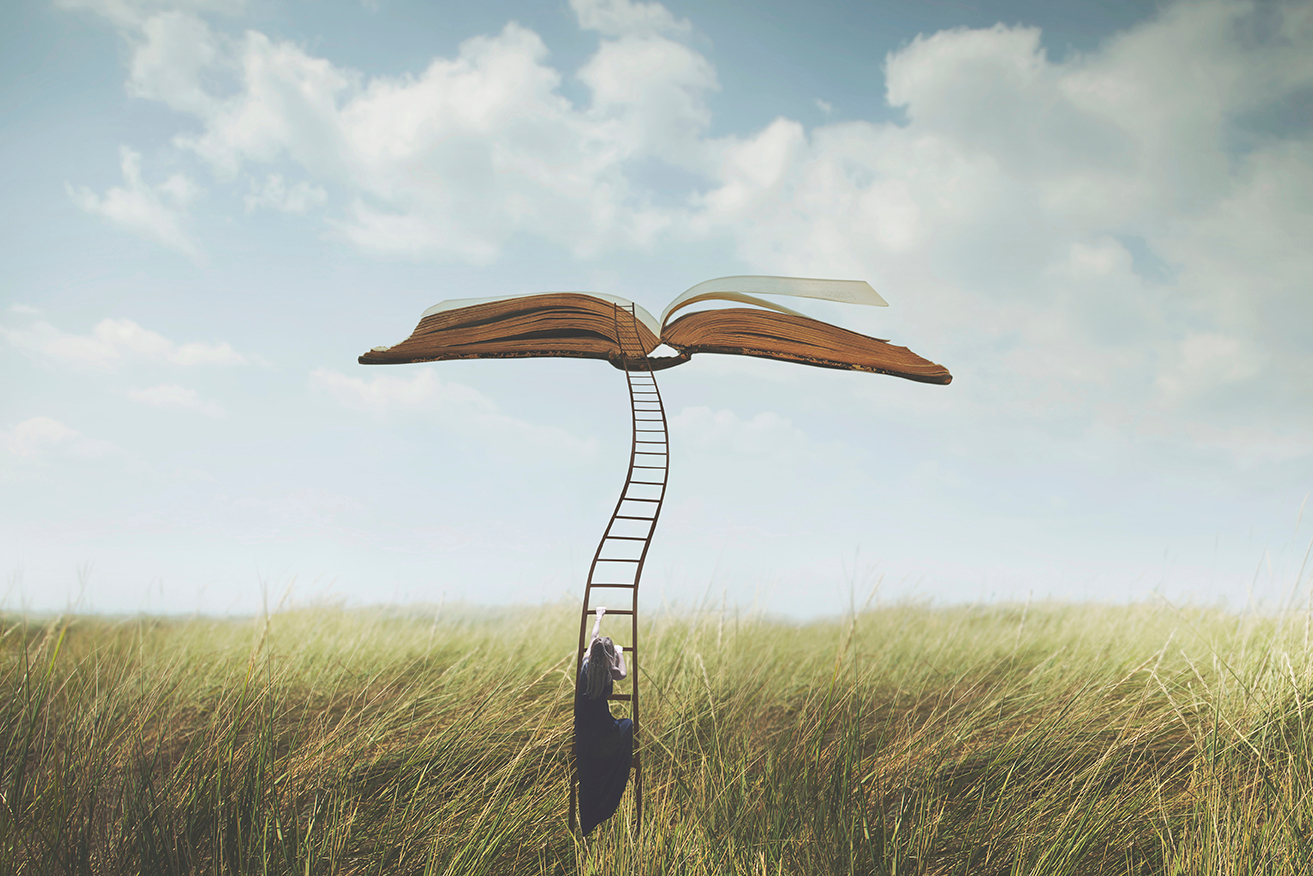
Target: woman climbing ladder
x,y
604,745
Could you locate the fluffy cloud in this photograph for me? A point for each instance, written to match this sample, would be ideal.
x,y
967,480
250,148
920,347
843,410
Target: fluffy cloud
x,y
169,57
170,395
1001,145
649,99
275,194
766,437
43,436
460,408
446,163
154,213
114,341
1105,233
134,13
1097,236
615,18
422,390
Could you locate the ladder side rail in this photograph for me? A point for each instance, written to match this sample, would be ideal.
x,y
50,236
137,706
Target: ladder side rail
x,y
634,452
634,401
592,569
638,571
597,554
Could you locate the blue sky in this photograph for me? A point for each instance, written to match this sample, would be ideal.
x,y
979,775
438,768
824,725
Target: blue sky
x,y
1096,215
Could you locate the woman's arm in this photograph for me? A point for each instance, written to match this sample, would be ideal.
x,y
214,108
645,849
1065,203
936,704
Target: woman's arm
x,y
618,666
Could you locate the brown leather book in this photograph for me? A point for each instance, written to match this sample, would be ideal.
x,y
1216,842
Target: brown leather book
x,y
591,326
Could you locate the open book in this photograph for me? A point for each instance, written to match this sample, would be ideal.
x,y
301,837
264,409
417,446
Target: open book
x,y
583,325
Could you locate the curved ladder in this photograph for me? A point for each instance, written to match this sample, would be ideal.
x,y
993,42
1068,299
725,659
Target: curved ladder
x,y
618,561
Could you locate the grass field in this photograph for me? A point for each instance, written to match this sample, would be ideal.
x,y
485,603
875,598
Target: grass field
x,y
1049,740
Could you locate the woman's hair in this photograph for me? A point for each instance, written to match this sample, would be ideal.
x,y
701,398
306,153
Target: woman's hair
x,y
597,666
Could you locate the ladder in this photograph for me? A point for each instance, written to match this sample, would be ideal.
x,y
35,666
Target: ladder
x,y
618,561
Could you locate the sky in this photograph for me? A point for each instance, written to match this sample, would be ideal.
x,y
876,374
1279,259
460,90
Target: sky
x,y
1096,215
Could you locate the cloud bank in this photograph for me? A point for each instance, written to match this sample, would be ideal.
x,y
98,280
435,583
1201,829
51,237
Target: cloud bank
x,y
1110,243
113,342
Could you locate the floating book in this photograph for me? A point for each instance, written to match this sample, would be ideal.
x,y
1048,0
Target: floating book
x,y
584,325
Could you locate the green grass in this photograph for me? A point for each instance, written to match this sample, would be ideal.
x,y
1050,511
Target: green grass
x,y
1048,740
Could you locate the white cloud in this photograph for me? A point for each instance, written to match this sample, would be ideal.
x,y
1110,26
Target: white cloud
x,y
461,408
996,219
277,195
170,395
767,436
174,50
133,13
114,341
415,236
448,163
43,436
199,353
649,98
154,213
1006,147
422,390
1009,216
616,18
25,309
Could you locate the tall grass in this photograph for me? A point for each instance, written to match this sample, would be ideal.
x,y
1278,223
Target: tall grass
x,y
1047,740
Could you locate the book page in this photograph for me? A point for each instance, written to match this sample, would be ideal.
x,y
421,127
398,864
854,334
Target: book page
x,y
843,291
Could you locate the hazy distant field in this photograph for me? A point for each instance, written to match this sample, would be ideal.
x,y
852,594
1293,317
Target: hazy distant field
x,y
1056,739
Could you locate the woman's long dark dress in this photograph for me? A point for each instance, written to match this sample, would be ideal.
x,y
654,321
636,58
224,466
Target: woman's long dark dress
x,y
603,748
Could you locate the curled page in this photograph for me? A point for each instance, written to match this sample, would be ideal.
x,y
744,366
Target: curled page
x,y
844,291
